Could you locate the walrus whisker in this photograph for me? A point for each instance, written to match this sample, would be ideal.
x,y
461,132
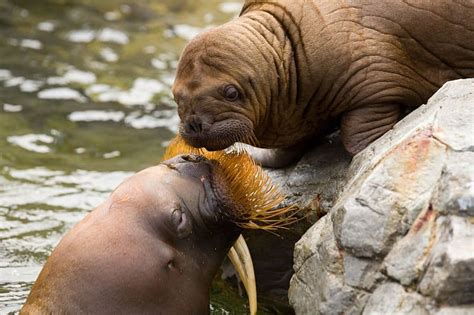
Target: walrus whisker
x,y
256,199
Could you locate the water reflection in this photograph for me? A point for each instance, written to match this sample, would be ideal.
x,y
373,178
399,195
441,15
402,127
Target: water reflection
x,y
84,102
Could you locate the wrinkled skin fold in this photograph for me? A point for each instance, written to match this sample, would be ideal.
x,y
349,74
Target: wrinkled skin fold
x,y
286,72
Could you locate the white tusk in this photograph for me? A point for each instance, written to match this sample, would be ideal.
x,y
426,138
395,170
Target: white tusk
x,y
240,257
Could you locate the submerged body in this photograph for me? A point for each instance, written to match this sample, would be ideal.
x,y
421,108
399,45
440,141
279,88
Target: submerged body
x,y
286,72
153,247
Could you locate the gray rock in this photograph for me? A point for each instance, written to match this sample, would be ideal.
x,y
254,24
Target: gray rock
x,y
454,123
361,273
400,236
391,298
456,310
455,191
382,204
405,261
449,275
319,284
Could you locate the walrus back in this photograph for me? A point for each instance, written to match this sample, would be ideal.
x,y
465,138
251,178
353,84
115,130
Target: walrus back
x,y
437,36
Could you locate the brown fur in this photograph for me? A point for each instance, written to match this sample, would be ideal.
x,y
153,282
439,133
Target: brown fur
x,y
301,66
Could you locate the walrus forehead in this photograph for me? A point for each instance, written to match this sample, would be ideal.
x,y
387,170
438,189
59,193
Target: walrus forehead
x,y
159,186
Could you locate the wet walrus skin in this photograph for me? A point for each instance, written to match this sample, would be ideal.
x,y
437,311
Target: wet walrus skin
x,y
288,71
153,247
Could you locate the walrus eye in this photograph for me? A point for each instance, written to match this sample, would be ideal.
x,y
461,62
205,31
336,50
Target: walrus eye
x,y
177,216
231,93
180,221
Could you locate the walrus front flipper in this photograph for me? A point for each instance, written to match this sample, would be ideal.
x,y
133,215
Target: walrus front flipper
x,y
361,126
276,158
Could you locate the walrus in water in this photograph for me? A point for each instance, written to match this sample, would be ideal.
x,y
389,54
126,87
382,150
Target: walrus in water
x,y
154,246
288,71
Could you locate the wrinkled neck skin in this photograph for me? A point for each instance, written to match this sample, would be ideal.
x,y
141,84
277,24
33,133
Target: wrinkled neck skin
x,y
282,68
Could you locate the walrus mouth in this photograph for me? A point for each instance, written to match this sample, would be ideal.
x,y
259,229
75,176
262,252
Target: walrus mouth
x,y
219,135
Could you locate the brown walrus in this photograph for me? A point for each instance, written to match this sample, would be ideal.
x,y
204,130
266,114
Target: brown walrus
x,y
287,71
154,246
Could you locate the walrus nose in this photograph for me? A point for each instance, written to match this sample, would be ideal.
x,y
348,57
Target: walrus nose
x,y
190,164
193,158
193,124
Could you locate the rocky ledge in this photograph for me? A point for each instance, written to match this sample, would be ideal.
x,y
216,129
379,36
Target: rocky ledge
x,y
399,233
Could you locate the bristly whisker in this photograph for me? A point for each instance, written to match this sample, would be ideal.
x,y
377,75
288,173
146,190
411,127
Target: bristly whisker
x,y
256,201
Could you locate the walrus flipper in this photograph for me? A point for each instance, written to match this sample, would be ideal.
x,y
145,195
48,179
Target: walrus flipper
x,y
361,126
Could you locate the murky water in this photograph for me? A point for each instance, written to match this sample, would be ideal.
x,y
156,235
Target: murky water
x,y
84,102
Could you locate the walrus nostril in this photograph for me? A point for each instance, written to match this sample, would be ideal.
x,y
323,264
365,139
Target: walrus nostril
x,y
193,158
194,124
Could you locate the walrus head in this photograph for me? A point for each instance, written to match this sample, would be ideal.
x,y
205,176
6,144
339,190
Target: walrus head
x,y
247,198
222,90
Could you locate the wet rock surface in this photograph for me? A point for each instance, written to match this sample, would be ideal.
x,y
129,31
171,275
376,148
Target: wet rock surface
x,y
306,184
400,237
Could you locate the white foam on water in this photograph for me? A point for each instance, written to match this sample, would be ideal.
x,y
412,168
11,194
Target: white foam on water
x,y
159,64
230,7
77,190
31,86
31,142
113,36
97,89
46,26
56,81
81,36
73,75
111,155
96,115
186,31
77,76
12,108
5,74
14,81
62,93
31,43
138,121
141,93
109,55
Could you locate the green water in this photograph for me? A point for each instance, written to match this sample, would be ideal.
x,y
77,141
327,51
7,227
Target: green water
x,y
84,102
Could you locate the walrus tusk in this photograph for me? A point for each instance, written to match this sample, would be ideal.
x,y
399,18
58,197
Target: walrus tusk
x,y
240,257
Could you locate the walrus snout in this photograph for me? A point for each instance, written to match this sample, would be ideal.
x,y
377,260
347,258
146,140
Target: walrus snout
x,y
216,136
193,125
193,165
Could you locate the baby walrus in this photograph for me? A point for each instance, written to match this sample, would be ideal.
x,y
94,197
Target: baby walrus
x,y
154,246
288,71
